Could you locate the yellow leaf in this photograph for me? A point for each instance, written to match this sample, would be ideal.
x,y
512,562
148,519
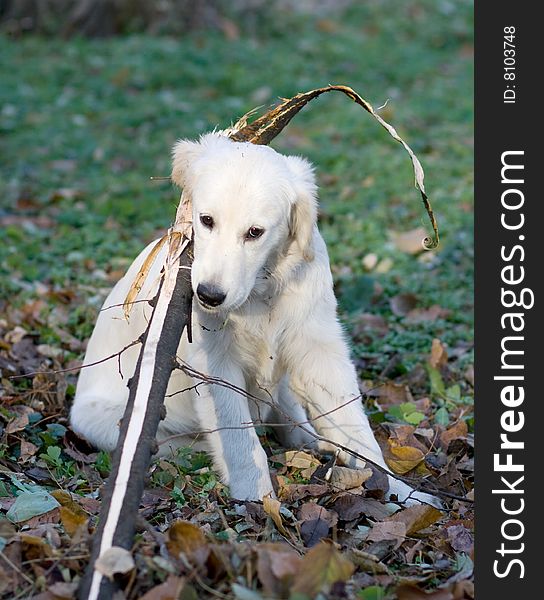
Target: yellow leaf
x,y
186,538
272,507
416,517
71,521
139,281
402,459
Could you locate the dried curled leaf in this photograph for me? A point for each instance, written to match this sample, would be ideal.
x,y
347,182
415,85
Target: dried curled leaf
x,y
416,517
272,508
343,478
139,281
264,129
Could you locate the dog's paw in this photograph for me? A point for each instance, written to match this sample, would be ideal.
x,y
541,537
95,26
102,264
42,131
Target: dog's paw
x,y
409,496
246,489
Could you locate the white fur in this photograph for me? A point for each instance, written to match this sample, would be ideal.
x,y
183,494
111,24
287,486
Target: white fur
x,y
276,334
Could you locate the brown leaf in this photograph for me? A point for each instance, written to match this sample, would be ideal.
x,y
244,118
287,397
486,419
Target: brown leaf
x,y
297,459
297,491
424,315
439,356
20,421
169,590
230,29
378,484
367,562
402,304
28,450
388,530
311,510
322,566
272,508
35,547
403,435
409,242
186,538
460,539
457,431
316,521
369,322
277,567
387,393
350,507
416,517
402,459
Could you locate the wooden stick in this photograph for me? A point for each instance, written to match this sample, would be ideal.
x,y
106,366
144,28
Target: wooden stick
x,y
144,410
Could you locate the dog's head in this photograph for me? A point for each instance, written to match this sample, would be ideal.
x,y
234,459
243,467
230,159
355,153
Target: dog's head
x,y
251,205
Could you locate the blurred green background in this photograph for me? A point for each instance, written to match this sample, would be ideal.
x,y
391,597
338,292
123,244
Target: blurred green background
x,y
85,122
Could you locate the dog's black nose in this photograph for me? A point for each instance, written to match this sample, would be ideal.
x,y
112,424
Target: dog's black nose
x,y
210,295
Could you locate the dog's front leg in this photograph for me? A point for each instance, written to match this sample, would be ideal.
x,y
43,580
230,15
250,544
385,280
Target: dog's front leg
x,y
236,450
325,380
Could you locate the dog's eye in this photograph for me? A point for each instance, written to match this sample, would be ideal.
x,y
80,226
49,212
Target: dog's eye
x,y
254,232
207,221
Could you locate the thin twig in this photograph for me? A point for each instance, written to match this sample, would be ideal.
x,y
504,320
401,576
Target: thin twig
x,y
98,362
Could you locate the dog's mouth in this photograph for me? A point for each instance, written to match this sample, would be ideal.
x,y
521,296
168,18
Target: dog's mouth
x,y
208,307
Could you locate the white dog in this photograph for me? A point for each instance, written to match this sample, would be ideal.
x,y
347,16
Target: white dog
x,y
264,319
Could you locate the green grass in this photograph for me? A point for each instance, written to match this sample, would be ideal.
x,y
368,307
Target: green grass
x,y
97,118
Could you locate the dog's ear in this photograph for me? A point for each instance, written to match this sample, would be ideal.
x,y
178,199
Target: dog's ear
x,y
184,154
304,208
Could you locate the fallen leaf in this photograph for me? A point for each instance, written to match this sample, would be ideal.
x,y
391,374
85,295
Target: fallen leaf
x,y
378,484
272,508
416,517
186,538
315,523
277,567
370,261
28,450
387,393
114,560
460,539
20,421
169,590
31,503
350,507
297,459
458,430
402,459
384,265
439,356
72,521
388,530
297,491
410,242
322,566
344,478
425,315
312,510
367,562
402,304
